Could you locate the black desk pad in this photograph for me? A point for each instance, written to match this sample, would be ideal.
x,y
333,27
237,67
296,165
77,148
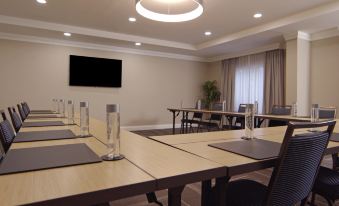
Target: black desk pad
x,y
43,124
39,158
41,111
335,137
42,116
44,135
256,149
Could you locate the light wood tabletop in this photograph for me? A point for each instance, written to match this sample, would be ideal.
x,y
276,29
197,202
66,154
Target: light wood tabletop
x,y
148,166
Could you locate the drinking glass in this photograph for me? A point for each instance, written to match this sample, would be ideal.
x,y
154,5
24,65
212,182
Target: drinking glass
x,y
224,106
315,113
113,133
62,107
294,111
199,104
256,107
84,118
249,122
70,112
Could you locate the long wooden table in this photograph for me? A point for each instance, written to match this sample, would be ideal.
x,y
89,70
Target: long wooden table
x,y
230,115
197,144
148,166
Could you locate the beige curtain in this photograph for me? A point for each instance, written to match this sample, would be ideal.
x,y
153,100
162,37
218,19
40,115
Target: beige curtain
x,y
274,89
228,82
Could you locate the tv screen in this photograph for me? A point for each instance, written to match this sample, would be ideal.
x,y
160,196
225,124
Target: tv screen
x,y
96,72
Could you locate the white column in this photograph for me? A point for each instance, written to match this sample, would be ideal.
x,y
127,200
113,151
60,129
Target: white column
x,y
298,71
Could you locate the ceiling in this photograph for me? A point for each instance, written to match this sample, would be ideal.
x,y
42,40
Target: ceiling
x,y
105,22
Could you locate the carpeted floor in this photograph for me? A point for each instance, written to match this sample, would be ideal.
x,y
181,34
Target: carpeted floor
x,y
191,194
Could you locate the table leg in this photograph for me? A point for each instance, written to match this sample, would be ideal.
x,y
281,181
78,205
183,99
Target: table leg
x,y
206,188
174,196
173,129
220,186
259,122
186,126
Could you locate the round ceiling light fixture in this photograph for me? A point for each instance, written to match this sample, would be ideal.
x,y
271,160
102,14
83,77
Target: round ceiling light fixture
x,y
170,10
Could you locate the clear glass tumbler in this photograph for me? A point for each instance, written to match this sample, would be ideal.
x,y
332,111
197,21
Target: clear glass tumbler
x,y
199,104
224,106
62,107
70,112
113,133
294,111
84,118
249,121
315,113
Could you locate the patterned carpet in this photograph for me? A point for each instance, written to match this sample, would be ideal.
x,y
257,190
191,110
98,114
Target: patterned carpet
x,y
191,194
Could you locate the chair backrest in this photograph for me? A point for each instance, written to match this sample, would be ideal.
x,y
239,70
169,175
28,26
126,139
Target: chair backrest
x,y
3,114
217,106
327,112
25,108
281,109
216,117
298,163
197,115
6,134
15,119
242,108
21,112
26,105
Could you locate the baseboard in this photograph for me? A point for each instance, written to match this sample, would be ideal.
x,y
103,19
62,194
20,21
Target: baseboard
x,y
149,127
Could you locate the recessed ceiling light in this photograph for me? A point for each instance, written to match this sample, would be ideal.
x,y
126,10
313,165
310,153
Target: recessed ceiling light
x,y
257,15
208,33
137,44
132,19
67,34
41,1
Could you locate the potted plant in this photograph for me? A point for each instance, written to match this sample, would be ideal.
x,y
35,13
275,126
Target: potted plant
x,y
211,93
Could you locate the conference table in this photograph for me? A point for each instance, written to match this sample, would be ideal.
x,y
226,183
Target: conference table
x,y
199,145
259,118
149,166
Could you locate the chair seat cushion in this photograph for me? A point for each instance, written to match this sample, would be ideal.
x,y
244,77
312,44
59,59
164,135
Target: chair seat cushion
x,y
327,183
246,193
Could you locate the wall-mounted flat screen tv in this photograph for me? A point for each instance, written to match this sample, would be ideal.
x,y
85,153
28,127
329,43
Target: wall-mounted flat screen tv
x,y
94,72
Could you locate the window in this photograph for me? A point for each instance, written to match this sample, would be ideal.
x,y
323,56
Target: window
x,y
249,81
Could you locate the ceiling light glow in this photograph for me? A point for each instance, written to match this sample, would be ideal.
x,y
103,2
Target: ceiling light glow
x,y
194,13
67,34
137,44
41,1
257,15
208,33
132,19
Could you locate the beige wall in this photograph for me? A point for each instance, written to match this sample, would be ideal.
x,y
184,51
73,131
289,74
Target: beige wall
x,y
325,72
37,73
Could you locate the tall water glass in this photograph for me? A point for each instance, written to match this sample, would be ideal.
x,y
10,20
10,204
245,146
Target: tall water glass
x,y
84,118
54,108
256,107
70,112
62,107
199,104
315,113
294,111
113,132
249,121
224,106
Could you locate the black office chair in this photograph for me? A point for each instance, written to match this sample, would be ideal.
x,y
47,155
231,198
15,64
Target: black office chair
x,y
326,185
6,135
279,110
196,119
214,121
294,174
3,115
25,108
22,113
327,113
16,122
239,121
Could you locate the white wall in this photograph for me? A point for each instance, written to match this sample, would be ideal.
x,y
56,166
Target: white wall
x,y
37,73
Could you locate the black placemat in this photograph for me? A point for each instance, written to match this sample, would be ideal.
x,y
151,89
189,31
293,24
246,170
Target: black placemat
x,y
256,149
42,116
39,158
335,137
43,124
44,135
41,111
